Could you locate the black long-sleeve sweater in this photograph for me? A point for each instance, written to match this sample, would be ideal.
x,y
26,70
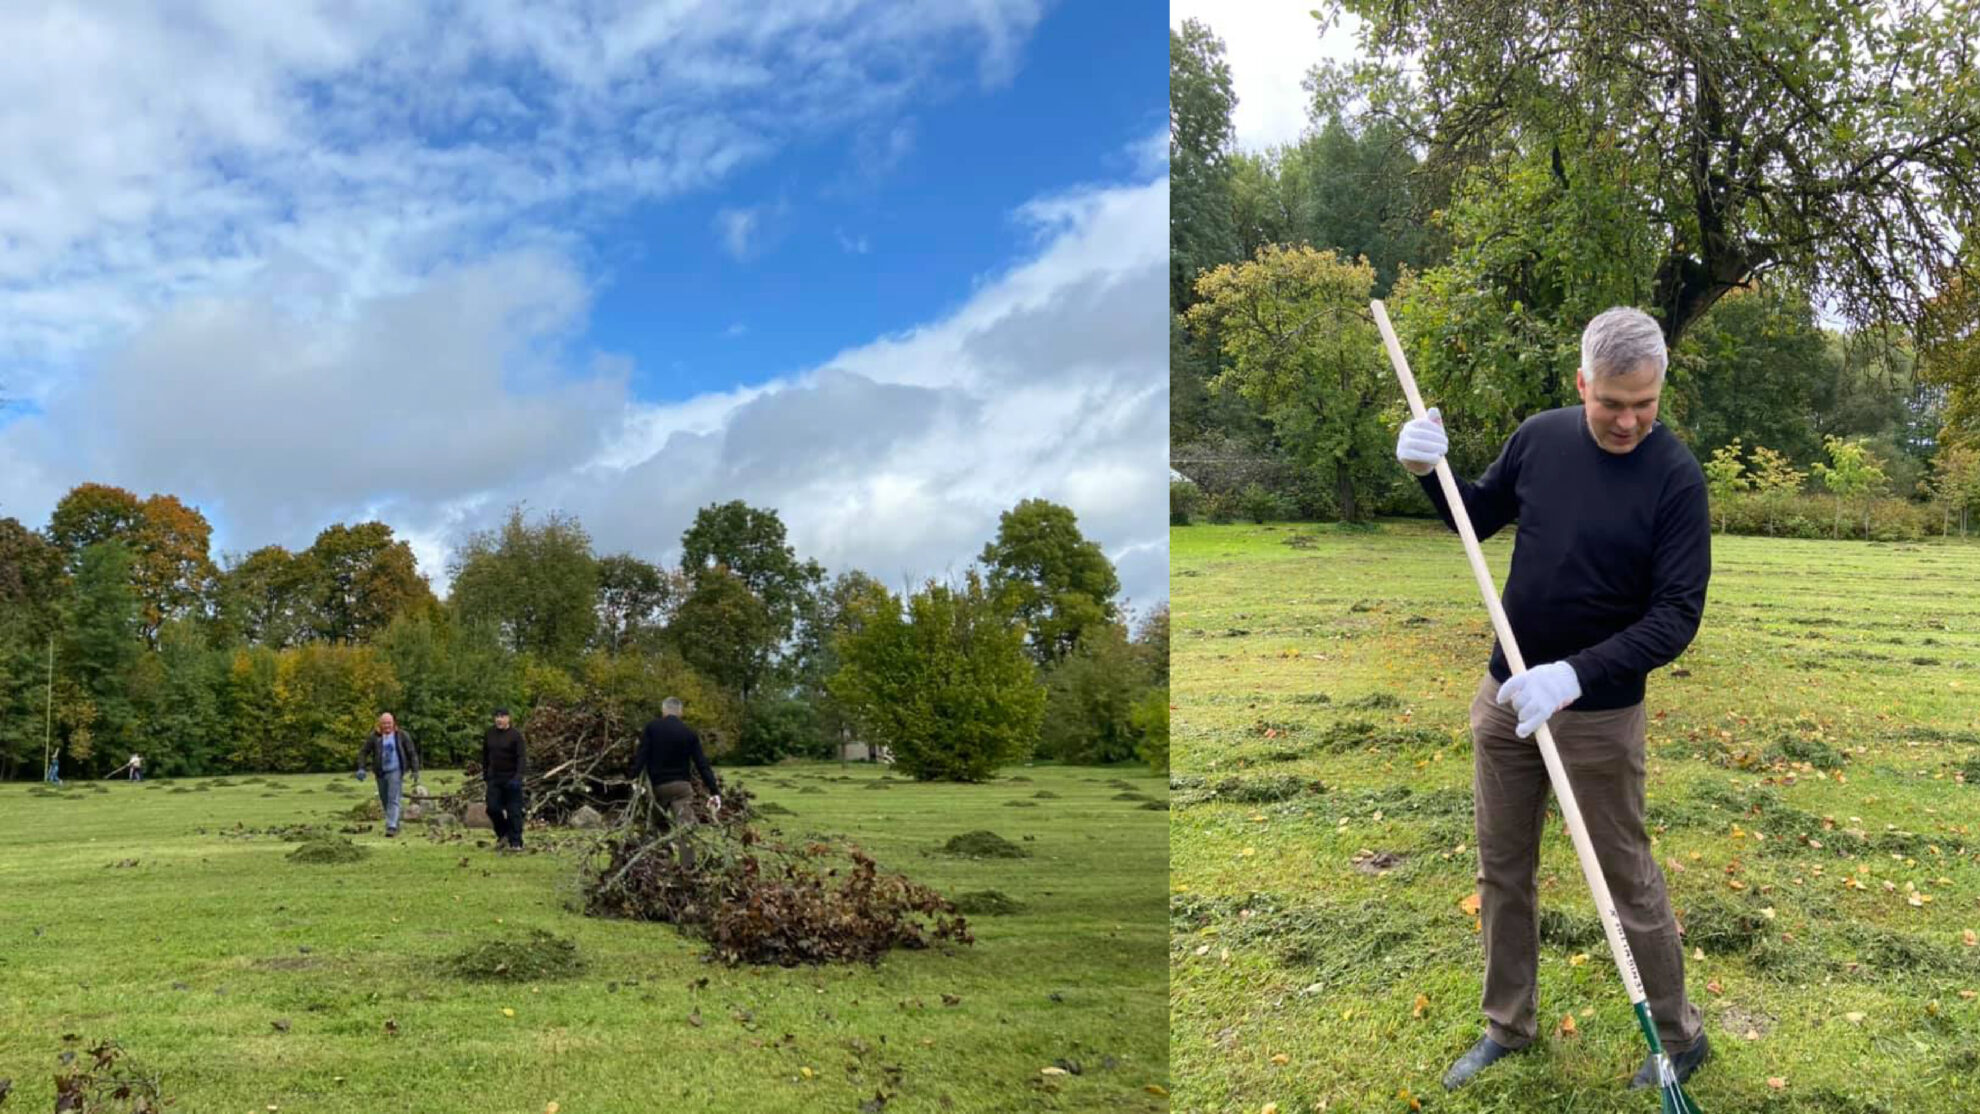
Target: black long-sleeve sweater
x,y
502,754
668,748
1612,556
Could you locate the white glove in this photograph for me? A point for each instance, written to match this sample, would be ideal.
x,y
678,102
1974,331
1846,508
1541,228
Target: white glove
x,y
1422,443
1539,693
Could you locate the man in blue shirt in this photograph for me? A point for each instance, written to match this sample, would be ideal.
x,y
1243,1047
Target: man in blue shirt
x,y
391,749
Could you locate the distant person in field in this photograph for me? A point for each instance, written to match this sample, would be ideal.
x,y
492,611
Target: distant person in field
x,y
391,749
1609,569
669,754
55,767
137,767
502,769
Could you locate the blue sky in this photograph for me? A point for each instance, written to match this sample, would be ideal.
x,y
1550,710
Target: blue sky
x,y
886,268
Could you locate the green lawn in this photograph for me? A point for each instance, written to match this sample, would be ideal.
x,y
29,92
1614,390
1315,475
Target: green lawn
x,y
190,957
1814,770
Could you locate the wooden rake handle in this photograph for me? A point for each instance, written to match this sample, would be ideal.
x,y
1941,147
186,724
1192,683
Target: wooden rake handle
x,y
1591,868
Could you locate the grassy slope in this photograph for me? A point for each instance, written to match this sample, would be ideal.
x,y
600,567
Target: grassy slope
x,y
1812,654
189,958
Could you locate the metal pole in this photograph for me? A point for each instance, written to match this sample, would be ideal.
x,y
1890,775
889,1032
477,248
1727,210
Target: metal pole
x,y
48,728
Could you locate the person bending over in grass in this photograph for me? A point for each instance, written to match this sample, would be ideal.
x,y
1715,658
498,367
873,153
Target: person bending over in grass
x,y
391,749
1609,568
669,752
502,768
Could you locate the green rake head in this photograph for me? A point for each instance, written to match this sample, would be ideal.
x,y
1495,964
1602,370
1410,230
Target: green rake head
x,y
1670,1090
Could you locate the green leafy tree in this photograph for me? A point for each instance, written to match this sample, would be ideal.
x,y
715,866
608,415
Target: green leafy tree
x,y
1090,699
750,543
1850,473
725,631
1151,725
361,577
535,586
269,598
1955,484
944,681
1298,342
1820,139
1055,581
1201,98
1775,478
102,645
1725,478
635,600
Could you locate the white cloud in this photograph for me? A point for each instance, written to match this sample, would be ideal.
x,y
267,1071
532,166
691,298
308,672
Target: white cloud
x,y
147,156
436,408
737,228
1270,48
853,245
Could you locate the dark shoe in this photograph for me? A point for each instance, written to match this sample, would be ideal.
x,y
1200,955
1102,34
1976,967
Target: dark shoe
x,y
391,833
1685,1062
1482,1055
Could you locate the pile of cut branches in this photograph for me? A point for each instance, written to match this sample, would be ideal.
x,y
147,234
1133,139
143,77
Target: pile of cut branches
x,y
580,755
766,901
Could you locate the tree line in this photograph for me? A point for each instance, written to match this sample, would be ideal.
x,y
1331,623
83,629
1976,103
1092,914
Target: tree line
x,y
120,634
1795,213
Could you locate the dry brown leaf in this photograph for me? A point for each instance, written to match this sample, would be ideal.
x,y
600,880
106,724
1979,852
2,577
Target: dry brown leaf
x,y
1969,939
1776,1082
1567,1027
1282,1059
1422,1003
1715,987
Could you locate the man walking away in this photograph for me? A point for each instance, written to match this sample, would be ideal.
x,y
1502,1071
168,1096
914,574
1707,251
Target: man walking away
x,y
669,750
391,748
502,768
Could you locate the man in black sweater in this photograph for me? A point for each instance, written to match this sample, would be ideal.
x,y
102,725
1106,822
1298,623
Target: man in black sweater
x,y
668,750
1608,578
502,768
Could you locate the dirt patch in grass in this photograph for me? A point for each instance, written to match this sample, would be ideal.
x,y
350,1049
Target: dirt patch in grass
x,y
770,808
539,955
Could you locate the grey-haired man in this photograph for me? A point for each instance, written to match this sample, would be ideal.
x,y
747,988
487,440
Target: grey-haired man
x,y
391,749
1608,579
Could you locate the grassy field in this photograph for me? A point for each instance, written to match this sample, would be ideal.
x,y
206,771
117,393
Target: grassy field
x,y
1814,789
191,957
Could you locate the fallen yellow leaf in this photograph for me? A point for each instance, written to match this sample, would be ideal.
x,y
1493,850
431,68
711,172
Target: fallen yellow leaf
x,y
1776,1082
1469,905
1422,1003
1269,1108
1156,1089
1567,1026
1282,1059
1577,960
807,1073
551,1108
507,1012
